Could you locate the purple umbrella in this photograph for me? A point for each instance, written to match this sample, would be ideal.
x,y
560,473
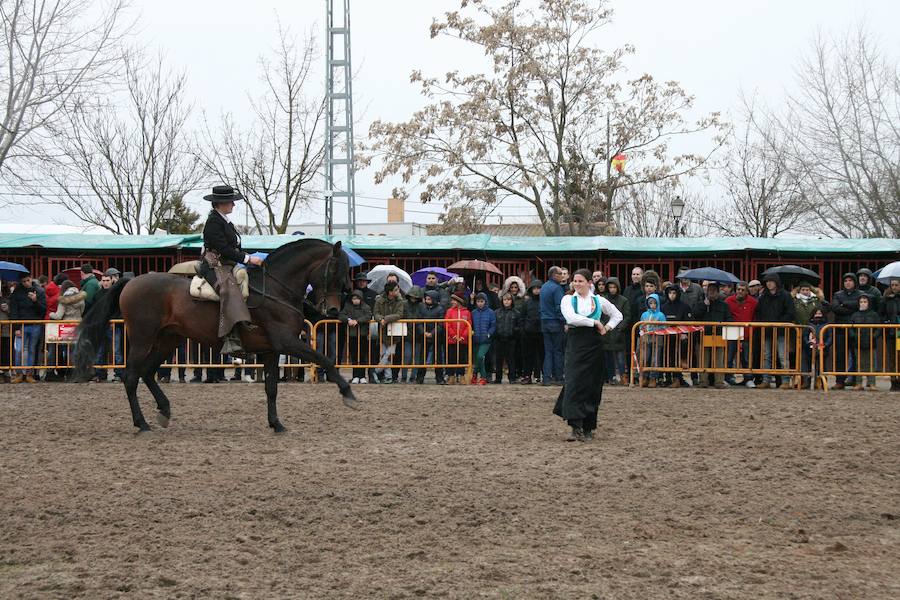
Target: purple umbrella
x,y
418,278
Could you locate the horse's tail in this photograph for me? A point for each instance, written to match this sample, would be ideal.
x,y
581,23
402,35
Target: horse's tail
x,y
92,331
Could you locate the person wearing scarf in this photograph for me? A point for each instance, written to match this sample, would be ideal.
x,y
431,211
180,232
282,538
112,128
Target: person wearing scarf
x,y
588,318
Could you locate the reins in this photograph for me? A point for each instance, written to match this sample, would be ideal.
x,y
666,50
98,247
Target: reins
x,y
267,275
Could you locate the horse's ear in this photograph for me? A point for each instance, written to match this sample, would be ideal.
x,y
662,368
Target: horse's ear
x,y
337,248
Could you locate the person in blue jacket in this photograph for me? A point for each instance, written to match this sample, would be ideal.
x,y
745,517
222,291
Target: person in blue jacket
x,y
553,327
652,345
484,326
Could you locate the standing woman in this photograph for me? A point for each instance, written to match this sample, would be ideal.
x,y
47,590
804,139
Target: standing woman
x,y
585,313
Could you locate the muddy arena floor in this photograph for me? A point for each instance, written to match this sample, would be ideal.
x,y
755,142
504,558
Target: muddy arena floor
x,y
448,492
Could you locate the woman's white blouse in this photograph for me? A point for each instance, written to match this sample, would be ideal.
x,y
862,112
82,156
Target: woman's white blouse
x,y
578,319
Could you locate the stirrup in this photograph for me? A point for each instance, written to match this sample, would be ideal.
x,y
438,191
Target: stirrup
x,y
231,344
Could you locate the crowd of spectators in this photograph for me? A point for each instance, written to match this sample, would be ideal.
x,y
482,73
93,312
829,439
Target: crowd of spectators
x,y
516,329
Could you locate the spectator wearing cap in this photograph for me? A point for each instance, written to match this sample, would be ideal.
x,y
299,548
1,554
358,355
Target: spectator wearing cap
x,y
843,304
114,274
361,283
775,306
754,287
713,310
691,293
89,285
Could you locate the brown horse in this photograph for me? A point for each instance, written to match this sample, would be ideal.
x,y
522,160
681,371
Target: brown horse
x,y
159,312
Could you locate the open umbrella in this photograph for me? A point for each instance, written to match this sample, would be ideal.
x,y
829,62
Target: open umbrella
x,y
791,275
888,272
471,267
10,271
379,273
418,278
709,274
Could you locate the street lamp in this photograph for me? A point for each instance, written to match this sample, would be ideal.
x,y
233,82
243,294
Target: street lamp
x,y
677,210
168,215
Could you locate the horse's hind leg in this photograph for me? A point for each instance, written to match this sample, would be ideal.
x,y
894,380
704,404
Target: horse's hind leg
x,y
155,359
270,364
134,368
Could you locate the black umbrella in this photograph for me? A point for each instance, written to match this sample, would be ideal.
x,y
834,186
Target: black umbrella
x,y
791,275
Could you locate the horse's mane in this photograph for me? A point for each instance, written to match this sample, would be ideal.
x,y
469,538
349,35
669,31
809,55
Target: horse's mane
x,y
292,247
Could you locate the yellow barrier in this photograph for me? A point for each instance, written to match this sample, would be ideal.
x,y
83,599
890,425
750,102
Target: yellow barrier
x,y
676,347
401,347
859,351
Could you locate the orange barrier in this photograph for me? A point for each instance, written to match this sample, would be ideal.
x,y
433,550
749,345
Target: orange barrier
x,y
676,347
859,351
402,346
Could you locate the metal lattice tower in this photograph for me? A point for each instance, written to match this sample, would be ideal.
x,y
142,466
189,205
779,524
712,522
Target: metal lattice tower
x,y
339,177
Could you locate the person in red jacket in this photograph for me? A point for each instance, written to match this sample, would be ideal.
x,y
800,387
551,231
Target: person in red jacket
x,y
52,292
457,338
743,308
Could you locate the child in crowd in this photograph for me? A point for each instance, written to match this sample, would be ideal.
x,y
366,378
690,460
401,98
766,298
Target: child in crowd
x,y
457,337
356,316
484,326
651,344
865,341
506,343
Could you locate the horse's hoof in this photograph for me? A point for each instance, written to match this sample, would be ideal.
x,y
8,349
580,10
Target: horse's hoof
x,y
278,427
143,427
162,419
350,401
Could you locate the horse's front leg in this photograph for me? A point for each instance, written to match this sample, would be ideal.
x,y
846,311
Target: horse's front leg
x,y
298,348
270,368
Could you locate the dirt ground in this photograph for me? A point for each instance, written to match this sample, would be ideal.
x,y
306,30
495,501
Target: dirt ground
x,y
451,492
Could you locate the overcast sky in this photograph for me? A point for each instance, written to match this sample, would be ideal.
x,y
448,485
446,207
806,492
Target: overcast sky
x,y
713,47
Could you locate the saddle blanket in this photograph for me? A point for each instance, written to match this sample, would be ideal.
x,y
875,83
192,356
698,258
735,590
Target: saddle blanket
x,y
201,290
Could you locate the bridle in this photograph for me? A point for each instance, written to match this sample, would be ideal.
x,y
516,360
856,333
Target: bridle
x,y
290,290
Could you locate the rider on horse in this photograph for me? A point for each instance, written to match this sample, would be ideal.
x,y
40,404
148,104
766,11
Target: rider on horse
x,y
221,252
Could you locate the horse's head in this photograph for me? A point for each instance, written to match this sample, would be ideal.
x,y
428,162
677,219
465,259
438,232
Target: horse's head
x,y
331,281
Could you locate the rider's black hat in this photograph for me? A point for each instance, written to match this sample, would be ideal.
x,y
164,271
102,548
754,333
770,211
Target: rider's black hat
x,y
223,193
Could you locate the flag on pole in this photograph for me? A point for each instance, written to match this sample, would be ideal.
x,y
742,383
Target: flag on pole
x,y
618,162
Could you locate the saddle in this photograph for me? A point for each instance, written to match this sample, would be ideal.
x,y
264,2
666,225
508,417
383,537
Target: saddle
x,y
202,290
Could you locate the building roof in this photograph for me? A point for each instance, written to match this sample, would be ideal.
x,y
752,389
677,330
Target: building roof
x,y
482,243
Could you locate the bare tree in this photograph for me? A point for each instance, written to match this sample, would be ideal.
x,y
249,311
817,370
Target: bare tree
x,y
842,135
544,124
763,197
122,167
52,51
646,211
276,159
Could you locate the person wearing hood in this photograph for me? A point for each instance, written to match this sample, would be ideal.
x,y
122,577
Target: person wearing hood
x,y
890,312
807,300
459,321
413,341
675,309
532,338
389,309
588,317
617,343
52,291
433,337
481,287
712,310
651,344
865,285
843,304
818,342
775,306
516,287
484,326
866,341
356,316
506,344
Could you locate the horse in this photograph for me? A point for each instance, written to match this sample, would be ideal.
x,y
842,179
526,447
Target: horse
x,y
159,312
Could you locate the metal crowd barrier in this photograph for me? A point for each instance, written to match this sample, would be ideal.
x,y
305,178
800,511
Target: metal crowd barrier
x,y
676,347
859,351
398,345
397,349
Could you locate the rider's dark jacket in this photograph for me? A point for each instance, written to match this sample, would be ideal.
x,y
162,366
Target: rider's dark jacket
x,y
220,235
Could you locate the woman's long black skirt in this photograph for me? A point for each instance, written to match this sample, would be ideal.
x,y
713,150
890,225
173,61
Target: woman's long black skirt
x,y
579,399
